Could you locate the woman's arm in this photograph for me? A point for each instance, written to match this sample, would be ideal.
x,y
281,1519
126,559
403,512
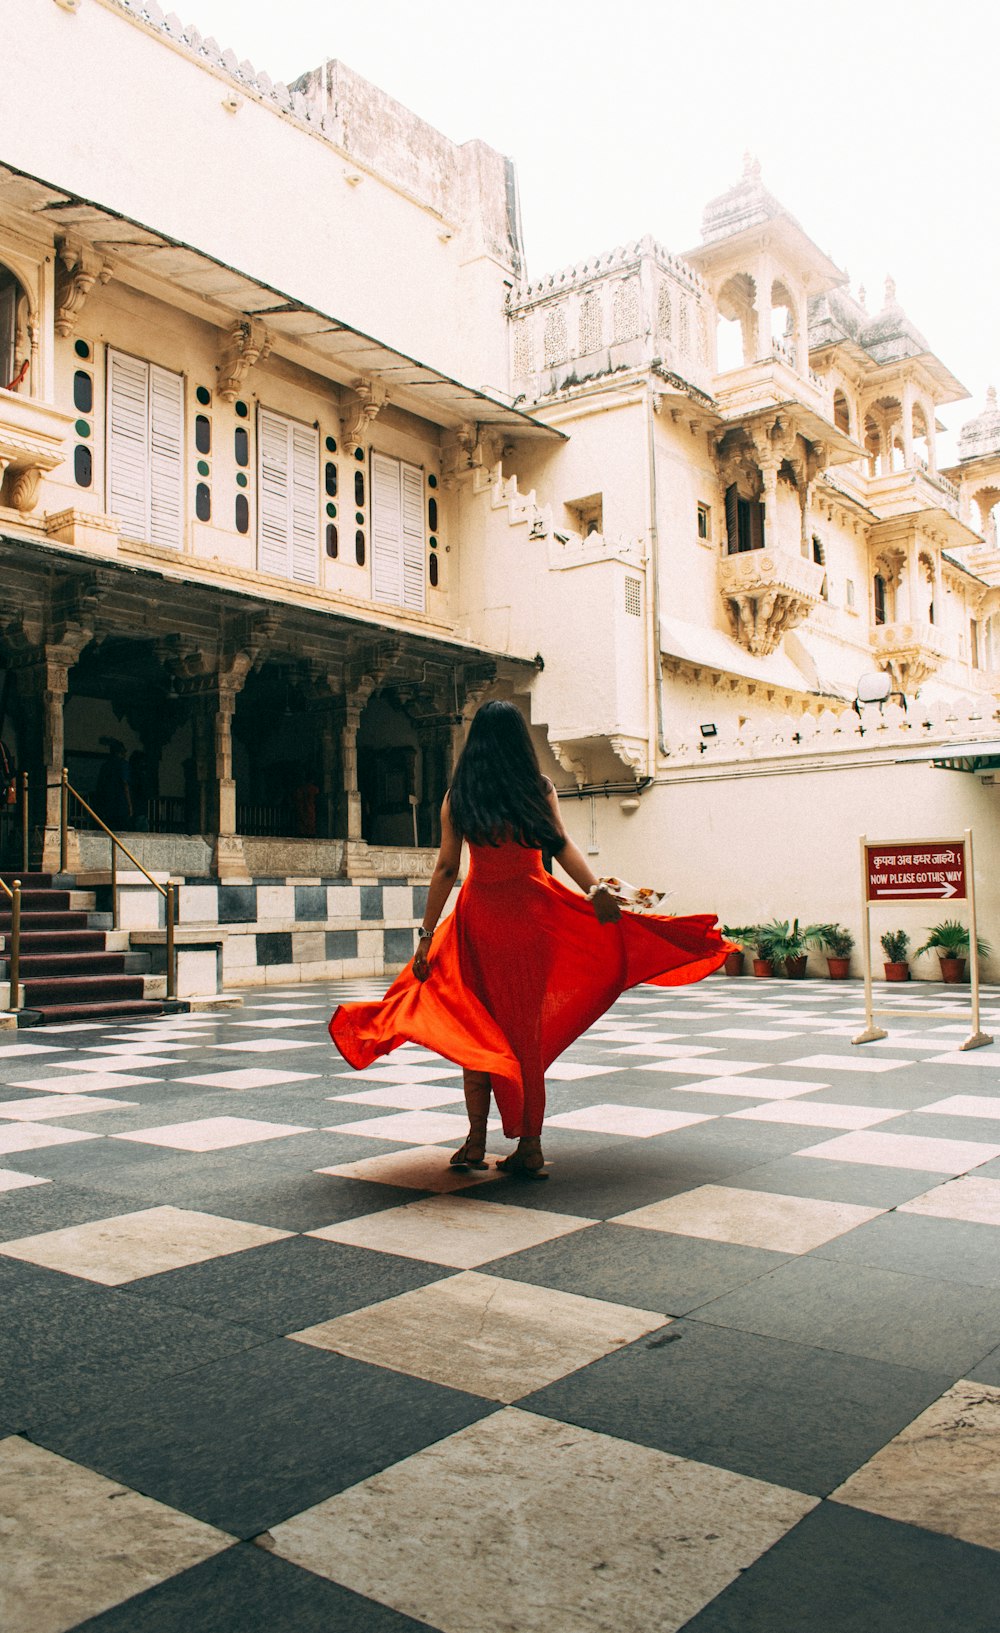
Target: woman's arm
x,y
572,861
443,878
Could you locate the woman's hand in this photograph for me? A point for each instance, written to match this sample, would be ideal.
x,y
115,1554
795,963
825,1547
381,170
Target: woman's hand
x,y
421,968
605,906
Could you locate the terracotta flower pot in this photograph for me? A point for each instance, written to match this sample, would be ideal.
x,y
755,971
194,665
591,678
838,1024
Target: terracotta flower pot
x,y
734,963
898,971
763,967
795,968
840,968
952,969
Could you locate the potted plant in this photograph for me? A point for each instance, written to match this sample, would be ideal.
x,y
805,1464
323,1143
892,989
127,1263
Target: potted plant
x,y
838,944
763,960
742,937
896,945
787,945
950,940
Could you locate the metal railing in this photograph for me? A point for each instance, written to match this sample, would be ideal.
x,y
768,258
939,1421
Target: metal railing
x,y
167,891
14,962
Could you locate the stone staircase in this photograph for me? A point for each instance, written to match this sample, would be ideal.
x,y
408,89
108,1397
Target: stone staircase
x,y
74,966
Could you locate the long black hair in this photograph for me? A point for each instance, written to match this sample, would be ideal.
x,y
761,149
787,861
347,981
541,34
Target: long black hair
x,y
498,791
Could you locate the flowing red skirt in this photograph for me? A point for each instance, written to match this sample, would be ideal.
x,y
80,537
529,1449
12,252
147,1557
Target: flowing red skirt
x,y
520,969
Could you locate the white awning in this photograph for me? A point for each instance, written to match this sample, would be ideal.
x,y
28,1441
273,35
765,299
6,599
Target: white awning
x,y
711,649
983,755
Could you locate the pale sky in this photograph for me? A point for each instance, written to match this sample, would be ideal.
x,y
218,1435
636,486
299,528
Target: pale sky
x,y
875,122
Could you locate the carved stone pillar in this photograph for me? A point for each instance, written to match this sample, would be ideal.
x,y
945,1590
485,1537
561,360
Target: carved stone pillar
x,y
908,402
42,687
351,708
229,861
769,497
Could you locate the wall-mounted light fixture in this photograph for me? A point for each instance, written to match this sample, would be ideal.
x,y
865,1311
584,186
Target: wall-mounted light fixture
x,y
711,730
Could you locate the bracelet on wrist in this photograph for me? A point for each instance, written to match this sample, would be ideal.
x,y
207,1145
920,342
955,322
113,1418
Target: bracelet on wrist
x,y
425,935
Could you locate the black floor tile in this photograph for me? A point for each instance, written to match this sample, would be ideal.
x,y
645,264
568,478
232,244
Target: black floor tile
x,y
40,1208
648,1269
905,1320
80,1349
917,1244
246,1590
844,1571
829,1181
284,1286
795,1416
249,1441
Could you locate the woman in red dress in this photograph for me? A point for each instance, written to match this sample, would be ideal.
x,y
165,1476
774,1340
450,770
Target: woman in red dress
x,y
523,966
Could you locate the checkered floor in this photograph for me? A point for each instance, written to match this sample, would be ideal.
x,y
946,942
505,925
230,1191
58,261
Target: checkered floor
x,y
268,1365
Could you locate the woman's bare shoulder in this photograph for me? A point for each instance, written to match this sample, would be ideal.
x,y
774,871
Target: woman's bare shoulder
x,y
548,786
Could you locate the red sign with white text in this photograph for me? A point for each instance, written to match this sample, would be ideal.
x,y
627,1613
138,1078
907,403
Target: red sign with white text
x,y
926,870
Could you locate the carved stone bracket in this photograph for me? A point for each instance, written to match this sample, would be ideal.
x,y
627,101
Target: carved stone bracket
x,y
909,651
247,342
25,487
476,451
78,268
566,754
370,397
766,593
633,752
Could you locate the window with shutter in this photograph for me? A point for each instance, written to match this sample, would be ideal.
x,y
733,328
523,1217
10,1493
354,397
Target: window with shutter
x,y
288,504
145,450
397,530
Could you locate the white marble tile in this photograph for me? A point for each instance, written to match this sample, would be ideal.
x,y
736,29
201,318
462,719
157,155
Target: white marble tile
x,y
662,1537
988,1057
405,1097
567,1071
972,1198
12,1181
418,1167
418,1127
816,1114
488,1336
132,1245
633,1122
940,1473
669,1051
248,1077
961,1105
631,1035
75,1544
30,1136
212,1133
270,1046
104,1063
453,1230
904,1151
753,1034
13,1051
403,1072
854,1063
716,1067
40,1107
723,1213
273,1023
83,1082
757,1088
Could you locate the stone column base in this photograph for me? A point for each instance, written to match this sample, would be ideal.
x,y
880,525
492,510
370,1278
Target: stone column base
x,y
228,860
50,862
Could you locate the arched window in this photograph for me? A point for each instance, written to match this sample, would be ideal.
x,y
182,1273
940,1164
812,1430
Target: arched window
x,y
841,413
14,352
879,588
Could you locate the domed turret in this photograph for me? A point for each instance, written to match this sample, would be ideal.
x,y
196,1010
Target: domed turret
x,y
981,436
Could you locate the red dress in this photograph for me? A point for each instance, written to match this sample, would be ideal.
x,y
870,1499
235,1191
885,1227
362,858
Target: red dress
x,y
520,969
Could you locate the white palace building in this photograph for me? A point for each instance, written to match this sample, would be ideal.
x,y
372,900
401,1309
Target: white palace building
x,y
298,466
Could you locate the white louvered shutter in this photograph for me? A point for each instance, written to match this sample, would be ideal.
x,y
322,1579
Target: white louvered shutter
x,y
272,507
128,443
304,496
166,457
413,537
387,562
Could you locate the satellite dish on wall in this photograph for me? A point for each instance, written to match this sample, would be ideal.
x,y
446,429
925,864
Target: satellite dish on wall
x,y
876,687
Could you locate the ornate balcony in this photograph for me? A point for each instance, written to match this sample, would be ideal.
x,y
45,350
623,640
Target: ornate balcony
x,y
909,650
34,439
902,492
769,383
766,593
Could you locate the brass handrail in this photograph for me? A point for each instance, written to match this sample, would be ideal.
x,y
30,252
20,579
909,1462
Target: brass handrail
x,y
14,970
168,891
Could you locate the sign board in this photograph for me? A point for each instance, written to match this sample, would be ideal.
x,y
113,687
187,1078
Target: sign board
x,y
926,870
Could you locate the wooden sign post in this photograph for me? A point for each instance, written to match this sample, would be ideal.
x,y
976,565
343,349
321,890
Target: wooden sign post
x,y
919,870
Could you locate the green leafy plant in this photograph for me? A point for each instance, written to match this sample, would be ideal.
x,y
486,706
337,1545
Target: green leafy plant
x,y
895,945
785,941
741,935
835,939
950,939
